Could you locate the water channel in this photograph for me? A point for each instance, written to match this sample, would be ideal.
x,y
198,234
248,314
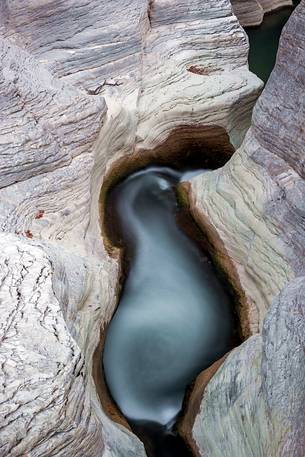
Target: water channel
x,y
264,41
174,317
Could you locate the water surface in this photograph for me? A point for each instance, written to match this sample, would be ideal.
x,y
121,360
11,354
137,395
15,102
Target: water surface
x,y
264,42
174,315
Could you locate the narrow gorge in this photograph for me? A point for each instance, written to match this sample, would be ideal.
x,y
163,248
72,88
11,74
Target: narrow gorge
x,y
152,288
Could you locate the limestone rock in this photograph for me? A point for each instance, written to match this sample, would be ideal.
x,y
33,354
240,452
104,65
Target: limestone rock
x,y
84,84
251,12
48,404
248,12
253,209
53,300
254,405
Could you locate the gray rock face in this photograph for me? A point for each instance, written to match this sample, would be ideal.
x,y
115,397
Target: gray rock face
x,y
42,365
255,202
83,42
83,84
254,404
251,12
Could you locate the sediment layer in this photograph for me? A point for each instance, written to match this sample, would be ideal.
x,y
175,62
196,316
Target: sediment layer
x,y
83,85
253,405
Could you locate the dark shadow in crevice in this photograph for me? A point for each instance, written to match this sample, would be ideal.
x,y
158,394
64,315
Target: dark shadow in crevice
x,y
264,41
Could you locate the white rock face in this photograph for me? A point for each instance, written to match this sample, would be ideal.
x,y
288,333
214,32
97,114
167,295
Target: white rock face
x,y
251,12
254,209
254,405
83,84
255,202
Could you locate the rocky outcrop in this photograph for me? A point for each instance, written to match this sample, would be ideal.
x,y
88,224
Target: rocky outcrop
x,y
271,5
254,203
251,12
48,401
254,405
53,297
254,209
84,84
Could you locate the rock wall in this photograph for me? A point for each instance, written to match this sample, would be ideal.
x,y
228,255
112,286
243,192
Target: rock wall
x,y
251,12
254,404
84,84
53,296
254,202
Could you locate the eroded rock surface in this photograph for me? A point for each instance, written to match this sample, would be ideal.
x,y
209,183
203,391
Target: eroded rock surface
x,y
254,405
82,85
251,12
255,202
254,208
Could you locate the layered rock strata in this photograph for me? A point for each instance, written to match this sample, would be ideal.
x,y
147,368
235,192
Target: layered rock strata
x,y
254,202
251,12
254,404
84,84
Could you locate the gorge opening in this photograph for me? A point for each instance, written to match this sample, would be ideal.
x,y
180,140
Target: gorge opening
x,y
264,41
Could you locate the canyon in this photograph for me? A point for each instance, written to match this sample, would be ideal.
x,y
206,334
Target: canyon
x,y
91,92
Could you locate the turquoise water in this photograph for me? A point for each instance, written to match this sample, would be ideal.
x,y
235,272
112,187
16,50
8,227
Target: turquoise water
x,y
264,41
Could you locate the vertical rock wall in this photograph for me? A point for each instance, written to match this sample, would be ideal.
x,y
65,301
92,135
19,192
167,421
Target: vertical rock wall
x,y
254,404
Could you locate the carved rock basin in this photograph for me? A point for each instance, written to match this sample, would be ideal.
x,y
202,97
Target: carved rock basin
x,y
174,317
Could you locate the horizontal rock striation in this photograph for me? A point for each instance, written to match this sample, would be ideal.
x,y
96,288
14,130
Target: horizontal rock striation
x,y
52,298
254,202
254,208
87,87
85,42
248,12
251,12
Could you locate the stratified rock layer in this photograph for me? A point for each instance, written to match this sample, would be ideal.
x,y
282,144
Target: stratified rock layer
x,y
255,202
84,84
254,404
251,12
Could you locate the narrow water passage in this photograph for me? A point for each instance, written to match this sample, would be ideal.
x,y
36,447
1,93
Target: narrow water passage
x,y
174,316
264,41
